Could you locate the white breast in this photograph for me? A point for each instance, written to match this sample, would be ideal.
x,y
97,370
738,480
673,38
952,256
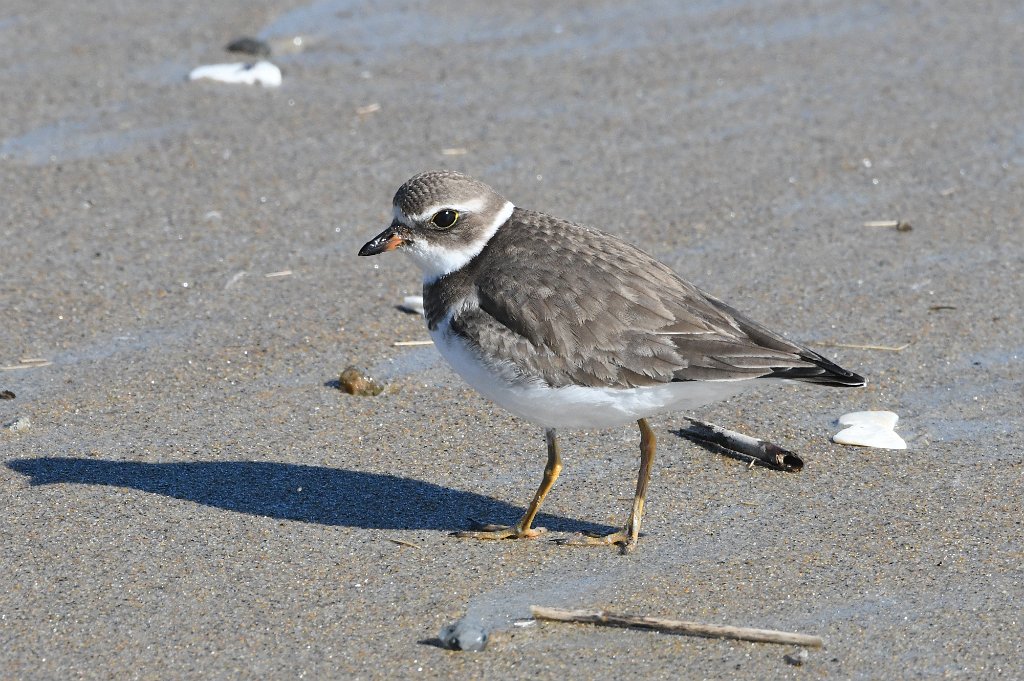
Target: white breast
x,y
574,406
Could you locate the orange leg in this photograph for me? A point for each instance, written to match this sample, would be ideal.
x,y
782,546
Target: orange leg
x,y
522,529
628,536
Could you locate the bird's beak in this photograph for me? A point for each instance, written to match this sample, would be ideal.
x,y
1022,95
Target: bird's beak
x,y
388,240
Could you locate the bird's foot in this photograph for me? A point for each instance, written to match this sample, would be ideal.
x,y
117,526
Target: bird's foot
x,y
489,531
622,538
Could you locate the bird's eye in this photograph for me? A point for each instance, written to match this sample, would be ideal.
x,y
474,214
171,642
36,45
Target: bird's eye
x,y
445,218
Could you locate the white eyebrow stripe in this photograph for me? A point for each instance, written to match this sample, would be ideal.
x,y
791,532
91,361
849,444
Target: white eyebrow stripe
x,y
437,261
471,206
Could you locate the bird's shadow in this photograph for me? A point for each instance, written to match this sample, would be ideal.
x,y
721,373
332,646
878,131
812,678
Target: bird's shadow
x,y
313,494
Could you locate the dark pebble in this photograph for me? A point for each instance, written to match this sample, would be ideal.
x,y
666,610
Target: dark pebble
x,y
463,636
6,395
797,658
256,48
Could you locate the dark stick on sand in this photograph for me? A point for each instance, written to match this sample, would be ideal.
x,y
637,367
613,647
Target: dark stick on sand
x,y
747,447
676,626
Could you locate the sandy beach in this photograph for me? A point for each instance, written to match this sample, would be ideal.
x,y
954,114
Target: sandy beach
x,y
187,494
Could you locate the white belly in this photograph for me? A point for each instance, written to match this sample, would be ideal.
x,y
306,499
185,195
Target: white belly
x,y
575,406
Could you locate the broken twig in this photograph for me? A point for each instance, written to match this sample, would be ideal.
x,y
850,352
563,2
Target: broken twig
x,y
407,344
402,542
28,363
676,626
899,225
767,453
858,346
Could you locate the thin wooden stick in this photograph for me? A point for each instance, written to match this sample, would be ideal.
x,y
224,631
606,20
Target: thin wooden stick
x,y
412,343
857,346
33,364
676,626
757,450
402,542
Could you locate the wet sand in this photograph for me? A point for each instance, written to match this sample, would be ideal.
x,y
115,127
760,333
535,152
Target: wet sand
x,y
195,499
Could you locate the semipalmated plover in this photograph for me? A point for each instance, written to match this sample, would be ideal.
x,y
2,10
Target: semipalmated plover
x,y
569,327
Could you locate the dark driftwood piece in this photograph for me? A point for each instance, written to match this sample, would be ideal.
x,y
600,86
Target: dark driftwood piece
x,y
676,626
746,447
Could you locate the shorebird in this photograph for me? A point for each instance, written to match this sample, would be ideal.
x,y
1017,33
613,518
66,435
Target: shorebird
x,y
569,327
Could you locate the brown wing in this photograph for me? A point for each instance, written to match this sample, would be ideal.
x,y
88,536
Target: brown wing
x,y
602,313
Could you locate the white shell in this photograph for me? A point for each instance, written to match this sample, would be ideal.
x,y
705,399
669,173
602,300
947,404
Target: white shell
x,y
870,435
262,72
414,303
886,419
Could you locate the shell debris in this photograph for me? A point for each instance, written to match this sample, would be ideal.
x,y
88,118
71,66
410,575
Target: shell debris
x,y
260,73
870,429
412,304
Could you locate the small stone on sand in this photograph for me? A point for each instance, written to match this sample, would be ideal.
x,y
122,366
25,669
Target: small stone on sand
x,y
19,425
463,636
355,382
412,304
797,658
247,45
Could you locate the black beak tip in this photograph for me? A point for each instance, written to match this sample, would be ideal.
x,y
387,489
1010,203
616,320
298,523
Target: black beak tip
x,y
376,245
387,240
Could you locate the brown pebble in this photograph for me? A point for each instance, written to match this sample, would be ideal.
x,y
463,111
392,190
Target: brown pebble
x,y
355,382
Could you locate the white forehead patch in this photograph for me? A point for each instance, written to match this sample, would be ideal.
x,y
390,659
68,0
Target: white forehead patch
x,y
437,261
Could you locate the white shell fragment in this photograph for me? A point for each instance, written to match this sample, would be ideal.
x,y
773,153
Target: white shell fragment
x,y
261,73
869,435
413,304
870,429
886,419
19,425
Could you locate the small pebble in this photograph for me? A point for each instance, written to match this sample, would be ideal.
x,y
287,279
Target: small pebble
x,y
6,395
463,636
355,382
247,45
412,304
19,425
797,658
